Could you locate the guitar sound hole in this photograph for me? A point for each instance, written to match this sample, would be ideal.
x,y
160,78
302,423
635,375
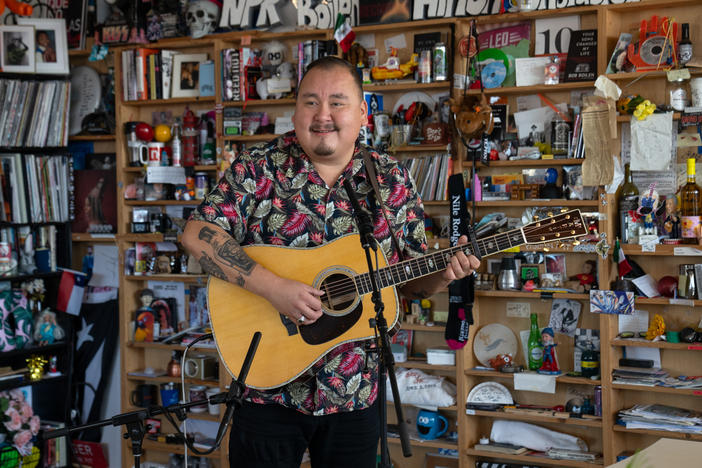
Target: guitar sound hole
x,y
340,292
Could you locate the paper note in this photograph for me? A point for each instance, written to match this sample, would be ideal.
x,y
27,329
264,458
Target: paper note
x,y
530,70
641,352
165,175
532,382
636,322
105,266
647,285
397,42
651,142
536,119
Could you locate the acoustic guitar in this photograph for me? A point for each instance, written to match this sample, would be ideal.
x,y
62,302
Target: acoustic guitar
x,y
287,349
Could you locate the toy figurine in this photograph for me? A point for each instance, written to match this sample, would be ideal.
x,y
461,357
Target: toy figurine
x,y
587,279
145,317
550,362
46,329
671,221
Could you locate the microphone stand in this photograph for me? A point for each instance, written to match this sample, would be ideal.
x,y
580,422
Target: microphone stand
x,y
134,420
386,361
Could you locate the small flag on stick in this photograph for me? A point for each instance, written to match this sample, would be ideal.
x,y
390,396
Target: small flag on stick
x,y
70,293
622,264
343,33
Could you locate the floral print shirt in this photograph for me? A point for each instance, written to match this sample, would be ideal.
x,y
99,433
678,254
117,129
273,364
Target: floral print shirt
x,y
272,194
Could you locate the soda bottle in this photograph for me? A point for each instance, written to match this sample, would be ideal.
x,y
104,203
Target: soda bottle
x,y
535,349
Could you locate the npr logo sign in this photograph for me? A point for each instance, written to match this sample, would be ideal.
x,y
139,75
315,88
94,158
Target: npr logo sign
x,y
426,9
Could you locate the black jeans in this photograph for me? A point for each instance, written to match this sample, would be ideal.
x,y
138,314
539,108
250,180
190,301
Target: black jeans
x,y
272,436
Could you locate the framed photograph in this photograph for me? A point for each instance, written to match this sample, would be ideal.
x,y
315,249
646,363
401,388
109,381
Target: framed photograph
x,y
531,272
16,53
50,49
186,74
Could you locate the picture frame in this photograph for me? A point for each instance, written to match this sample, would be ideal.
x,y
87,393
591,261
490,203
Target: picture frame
x,y
50,47
17,45
531,271
186,75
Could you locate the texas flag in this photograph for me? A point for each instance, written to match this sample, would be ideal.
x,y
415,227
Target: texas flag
x,y
70,293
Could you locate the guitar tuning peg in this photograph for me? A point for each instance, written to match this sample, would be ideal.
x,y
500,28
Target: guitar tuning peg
x,y
576,242
546,249
550,213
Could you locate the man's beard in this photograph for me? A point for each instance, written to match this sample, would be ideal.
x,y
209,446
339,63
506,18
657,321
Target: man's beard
x,y
323,148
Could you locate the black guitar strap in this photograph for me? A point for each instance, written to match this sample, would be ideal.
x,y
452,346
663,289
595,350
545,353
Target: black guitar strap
x,y
461,292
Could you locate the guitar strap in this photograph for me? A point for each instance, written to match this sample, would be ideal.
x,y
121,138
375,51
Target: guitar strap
x,y
370,170
461,292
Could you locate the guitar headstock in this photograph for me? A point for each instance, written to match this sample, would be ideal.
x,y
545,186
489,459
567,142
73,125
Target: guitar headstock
x,y
559,227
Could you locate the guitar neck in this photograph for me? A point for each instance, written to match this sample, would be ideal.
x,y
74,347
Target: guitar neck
x,y
408,270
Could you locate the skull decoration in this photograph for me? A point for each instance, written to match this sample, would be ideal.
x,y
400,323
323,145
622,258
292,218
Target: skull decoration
x,y
201,17
273,53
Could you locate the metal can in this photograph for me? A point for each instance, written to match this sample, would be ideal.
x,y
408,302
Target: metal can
x,y
440,65
424,69
201,183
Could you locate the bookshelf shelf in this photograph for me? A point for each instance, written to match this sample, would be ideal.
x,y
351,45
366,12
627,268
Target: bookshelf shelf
x,y
531,295
92,138
200,279
657,344
651,432
528,163
539,202
537,418
88,237
422,364
664,250
165,379
161,202
645,388
418,148
171,101
536,88
427,443
529,459
140,169
170,347
260,102
251,138
503,375
21,382
407,86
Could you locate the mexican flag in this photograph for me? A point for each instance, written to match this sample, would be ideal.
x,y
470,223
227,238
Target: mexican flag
x,y
343,33
622,265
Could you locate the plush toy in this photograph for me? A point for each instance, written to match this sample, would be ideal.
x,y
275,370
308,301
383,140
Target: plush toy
x,y
472,116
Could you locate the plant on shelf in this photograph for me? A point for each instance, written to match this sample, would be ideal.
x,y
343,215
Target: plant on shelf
x,y
19,424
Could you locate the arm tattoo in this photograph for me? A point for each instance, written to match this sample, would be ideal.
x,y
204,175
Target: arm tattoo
x,y
210,267
232,254
206,234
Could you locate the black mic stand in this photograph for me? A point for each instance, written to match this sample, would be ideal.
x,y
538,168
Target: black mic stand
x,y
386,361
134,420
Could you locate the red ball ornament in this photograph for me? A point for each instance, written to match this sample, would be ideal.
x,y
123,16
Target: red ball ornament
x,y
667,286
144,131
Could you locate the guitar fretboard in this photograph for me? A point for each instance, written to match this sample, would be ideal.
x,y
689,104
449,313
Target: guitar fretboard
x,y
408,270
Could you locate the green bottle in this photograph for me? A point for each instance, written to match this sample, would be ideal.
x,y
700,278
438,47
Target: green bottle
x,y
535,349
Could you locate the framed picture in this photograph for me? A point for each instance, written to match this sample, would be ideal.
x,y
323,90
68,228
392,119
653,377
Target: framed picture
x,y
186,74
16,51
50,49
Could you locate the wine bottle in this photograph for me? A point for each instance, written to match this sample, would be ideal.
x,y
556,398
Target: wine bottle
x,y
627,201
690,205
535,349
685,45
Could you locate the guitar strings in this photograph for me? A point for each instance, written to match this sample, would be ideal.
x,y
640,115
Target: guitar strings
x,y
348,285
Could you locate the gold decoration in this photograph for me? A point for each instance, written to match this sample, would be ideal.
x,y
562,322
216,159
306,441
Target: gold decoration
x,y
36,366
657,327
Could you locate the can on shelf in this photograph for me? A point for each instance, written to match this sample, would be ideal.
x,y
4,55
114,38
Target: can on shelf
x,y
424,69
201,183
439,65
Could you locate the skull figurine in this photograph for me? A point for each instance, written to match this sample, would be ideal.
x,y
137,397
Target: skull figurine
x,y
201,17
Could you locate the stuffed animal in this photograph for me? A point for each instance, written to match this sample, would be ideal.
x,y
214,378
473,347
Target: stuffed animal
x,y
472,116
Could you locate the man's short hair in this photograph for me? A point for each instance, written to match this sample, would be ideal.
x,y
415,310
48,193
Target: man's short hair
x,y
330,61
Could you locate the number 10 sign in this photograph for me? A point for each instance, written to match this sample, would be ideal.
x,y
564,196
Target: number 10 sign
x,y
552,35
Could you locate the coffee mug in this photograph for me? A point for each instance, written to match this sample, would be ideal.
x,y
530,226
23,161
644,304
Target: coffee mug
x,y
144,395
212,409
431,424
169,394
155,149
197,392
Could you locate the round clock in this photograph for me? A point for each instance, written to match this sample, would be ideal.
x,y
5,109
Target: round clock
x,y
86,94
490,392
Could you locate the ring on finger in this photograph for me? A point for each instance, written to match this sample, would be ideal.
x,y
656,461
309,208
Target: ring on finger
x,y
301,319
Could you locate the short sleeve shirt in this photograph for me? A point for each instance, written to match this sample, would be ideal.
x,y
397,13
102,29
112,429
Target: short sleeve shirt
x,y
272,194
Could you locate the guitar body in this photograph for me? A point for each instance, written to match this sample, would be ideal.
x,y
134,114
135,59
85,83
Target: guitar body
x,y
287,350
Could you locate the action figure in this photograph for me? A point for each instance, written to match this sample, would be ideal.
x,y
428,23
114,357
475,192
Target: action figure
x,y
145,317
550,362
587,279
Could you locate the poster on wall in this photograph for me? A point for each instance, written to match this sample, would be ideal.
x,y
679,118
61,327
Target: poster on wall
x,y
384,11
74,12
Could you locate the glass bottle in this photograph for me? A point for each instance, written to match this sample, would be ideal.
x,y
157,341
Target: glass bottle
x,y
535,349
685,45
678,94
627,201
176,144
690,205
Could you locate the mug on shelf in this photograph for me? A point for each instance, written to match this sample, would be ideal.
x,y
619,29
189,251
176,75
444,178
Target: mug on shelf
x,y
169,394
197,392
431,425
155,150
144,395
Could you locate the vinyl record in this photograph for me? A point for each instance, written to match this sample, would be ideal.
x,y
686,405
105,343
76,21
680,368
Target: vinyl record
x,y
653,48
494,74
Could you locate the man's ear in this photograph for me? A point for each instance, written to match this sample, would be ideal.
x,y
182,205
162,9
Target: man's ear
x,y
364,110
